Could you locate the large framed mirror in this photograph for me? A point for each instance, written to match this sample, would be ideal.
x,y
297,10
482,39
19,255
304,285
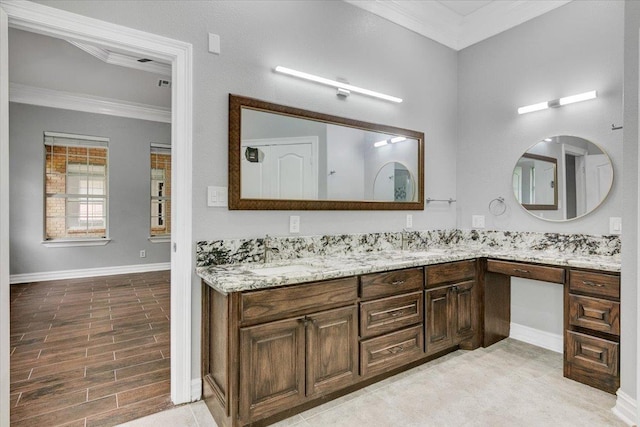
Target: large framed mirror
x,y
288,158
562,178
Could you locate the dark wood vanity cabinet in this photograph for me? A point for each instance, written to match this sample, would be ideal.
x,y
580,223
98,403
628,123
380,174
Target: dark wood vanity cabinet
x,y
452,306
592,329
391,319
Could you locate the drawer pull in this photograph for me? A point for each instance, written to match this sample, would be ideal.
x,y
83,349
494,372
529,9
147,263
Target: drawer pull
x,y
397,282
396,349
589,283
520,270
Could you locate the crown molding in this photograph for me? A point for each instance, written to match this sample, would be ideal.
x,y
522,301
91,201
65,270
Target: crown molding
x,y
24,94
439,23
123,60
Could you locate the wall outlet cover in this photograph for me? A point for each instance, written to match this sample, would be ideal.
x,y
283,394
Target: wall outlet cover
x,y
217,196
477,221
294,224
409,221
615,225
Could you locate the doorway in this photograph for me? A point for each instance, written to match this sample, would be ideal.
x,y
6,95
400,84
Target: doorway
x,y
60,24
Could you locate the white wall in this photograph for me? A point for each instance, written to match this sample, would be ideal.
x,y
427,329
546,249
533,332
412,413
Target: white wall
x,y
629,291
129,183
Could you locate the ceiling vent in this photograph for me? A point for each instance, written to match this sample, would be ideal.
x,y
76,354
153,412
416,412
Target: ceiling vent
x,y
164,83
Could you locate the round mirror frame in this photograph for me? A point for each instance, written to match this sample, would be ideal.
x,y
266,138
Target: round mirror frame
x,y
537,212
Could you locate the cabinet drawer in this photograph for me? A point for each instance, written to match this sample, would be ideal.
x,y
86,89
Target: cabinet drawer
x,y
599,284
391,313
527,271
595,354
290,301
378,285
450,272
393,350
595,313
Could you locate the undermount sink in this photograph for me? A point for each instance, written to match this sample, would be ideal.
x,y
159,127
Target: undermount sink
x,y
283,269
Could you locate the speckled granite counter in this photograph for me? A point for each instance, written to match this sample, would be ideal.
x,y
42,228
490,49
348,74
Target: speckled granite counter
x,y
248,276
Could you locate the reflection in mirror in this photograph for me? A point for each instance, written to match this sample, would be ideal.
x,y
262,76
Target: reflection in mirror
x,y
535,182
562,178
286,158
394,182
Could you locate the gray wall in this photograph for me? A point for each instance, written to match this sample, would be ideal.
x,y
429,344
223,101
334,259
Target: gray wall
x,y
629,297
129,171
573,49
328,38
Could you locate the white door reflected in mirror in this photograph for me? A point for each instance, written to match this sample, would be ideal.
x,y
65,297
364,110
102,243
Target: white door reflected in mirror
x,y
562,178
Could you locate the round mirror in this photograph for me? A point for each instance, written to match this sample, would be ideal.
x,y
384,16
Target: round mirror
x,y
394,182
562,178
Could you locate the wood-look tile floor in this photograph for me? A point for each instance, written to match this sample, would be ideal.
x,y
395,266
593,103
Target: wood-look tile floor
x,y
90,352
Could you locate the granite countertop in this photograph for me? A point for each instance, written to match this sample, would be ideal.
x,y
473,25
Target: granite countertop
x,y
250,276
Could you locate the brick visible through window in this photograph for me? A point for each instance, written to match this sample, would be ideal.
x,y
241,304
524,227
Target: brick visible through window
x,y
160,191
76,181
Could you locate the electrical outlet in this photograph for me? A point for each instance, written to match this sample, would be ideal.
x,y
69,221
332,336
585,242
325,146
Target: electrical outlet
x,y
477,221
143,254
294,224
615,225
409,221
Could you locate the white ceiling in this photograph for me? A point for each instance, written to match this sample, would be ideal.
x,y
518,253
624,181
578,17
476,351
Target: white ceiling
x,y
458,23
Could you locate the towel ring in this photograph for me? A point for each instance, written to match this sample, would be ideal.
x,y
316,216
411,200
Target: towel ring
x,y
497,206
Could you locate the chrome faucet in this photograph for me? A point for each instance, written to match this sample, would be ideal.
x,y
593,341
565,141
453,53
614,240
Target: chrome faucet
x,y
406,238
268,249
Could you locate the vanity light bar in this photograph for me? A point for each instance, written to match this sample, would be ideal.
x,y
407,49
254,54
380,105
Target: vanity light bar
x,y
336,84
558,102
381,143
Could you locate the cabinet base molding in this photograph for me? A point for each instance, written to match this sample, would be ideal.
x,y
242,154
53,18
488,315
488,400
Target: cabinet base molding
x,y
626,408
536,337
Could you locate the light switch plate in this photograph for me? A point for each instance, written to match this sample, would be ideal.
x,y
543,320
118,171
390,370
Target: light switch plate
x,y
294,224
477,221
409,221
217,196
615,225
214,43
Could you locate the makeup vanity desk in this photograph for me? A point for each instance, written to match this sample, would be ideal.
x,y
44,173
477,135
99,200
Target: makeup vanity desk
x,y
386,311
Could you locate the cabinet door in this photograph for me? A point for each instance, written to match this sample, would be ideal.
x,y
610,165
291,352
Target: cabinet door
x,y
439,329
465,310
272,365
332,350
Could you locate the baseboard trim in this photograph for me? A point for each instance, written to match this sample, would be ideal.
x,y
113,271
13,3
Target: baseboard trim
x,y
626,408
553,342
87,272
196,389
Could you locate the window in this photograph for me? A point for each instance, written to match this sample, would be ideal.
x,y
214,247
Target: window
x,y
76,196
160,191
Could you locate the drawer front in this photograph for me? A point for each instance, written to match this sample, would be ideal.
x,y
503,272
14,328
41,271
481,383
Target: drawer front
x,y
527,271
387,314
378,355
598,284
450,272
595,313
278,303
378,285
595,354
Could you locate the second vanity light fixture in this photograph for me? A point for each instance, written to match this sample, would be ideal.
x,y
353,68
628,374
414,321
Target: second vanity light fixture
x,y
343,88
558,102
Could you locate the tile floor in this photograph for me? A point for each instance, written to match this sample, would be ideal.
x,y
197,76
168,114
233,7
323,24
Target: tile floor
x,y
508,384
90,352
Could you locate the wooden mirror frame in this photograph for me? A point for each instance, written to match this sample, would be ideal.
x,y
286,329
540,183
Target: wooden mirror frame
x,y
236,103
